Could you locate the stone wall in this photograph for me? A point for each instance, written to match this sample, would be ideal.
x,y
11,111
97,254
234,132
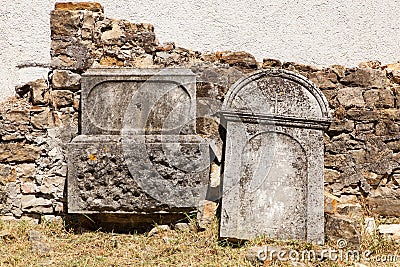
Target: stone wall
x,y
362,145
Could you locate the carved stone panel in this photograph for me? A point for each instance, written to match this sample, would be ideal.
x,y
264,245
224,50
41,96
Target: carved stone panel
x,y
273,168
138,101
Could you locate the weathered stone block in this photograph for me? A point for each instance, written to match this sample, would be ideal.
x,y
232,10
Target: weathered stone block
x,y
40,92
385,202
390,114
70,55
53,185
386,127
362,115
88,25
114,34
111,62
62,98
342,227
352,210
18,152
29,188
7,174
330,176
236,58
31,203
136,174
365,78
44,119
206,214
299,68
334,160
372,64
324,79
338,126
364,127
65,23
271,63
64,79
91,6
339,70
382,98
393,71
18,116
390,231
351,97
330,203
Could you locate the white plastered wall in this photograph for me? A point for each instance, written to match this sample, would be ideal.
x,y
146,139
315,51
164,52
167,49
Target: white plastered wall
x,y
317,32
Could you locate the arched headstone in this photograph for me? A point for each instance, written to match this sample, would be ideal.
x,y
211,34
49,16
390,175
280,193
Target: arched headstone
x,y
274,158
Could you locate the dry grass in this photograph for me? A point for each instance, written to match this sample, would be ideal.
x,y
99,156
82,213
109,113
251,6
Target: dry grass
x,y
171,248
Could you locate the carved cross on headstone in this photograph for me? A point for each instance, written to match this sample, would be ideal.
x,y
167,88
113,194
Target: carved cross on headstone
x,y
278,98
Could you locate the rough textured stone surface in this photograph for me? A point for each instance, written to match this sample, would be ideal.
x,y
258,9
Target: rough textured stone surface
x,y
63,79
385,201
382,98
339,126
394,71
145,105
351,97
62,98
236,58
91,6
365,78
39,91
330,203
35,204
135,169
324,79
18,116
137,180
268,186
374,64
339,227
391,231
13,152
206,214
271,63
159,229
44,119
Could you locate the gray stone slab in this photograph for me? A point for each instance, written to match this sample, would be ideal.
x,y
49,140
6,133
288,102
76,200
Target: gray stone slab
x,y
273,158
140,101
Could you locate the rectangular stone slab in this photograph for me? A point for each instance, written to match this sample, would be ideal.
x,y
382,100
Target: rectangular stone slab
x,y
140,101
272,180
